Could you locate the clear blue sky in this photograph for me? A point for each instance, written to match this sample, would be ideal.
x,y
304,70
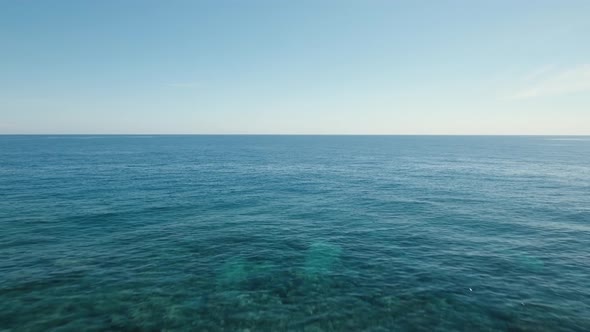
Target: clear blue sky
x,y
345,67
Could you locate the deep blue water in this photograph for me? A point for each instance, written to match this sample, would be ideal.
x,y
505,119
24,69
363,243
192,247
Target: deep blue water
x,y
298,233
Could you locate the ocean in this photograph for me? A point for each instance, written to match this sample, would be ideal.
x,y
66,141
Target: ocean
x,y
294,233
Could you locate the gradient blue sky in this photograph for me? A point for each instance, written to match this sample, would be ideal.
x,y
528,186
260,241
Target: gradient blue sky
x,y
321,67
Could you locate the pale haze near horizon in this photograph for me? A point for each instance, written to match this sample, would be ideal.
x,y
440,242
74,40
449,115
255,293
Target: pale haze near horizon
x,y
295,67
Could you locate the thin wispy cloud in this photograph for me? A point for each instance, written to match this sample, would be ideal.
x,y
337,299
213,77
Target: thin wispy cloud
x,y
185,85
538,73
547,82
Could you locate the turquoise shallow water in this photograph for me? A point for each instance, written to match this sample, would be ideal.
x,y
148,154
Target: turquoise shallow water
x,y
297,233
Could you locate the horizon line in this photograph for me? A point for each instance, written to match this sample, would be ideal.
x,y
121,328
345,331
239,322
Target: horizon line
x,y
269,134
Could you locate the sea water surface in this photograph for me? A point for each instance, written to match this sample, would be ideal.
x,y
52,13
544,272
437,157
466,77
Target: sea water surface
x,y
294,233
